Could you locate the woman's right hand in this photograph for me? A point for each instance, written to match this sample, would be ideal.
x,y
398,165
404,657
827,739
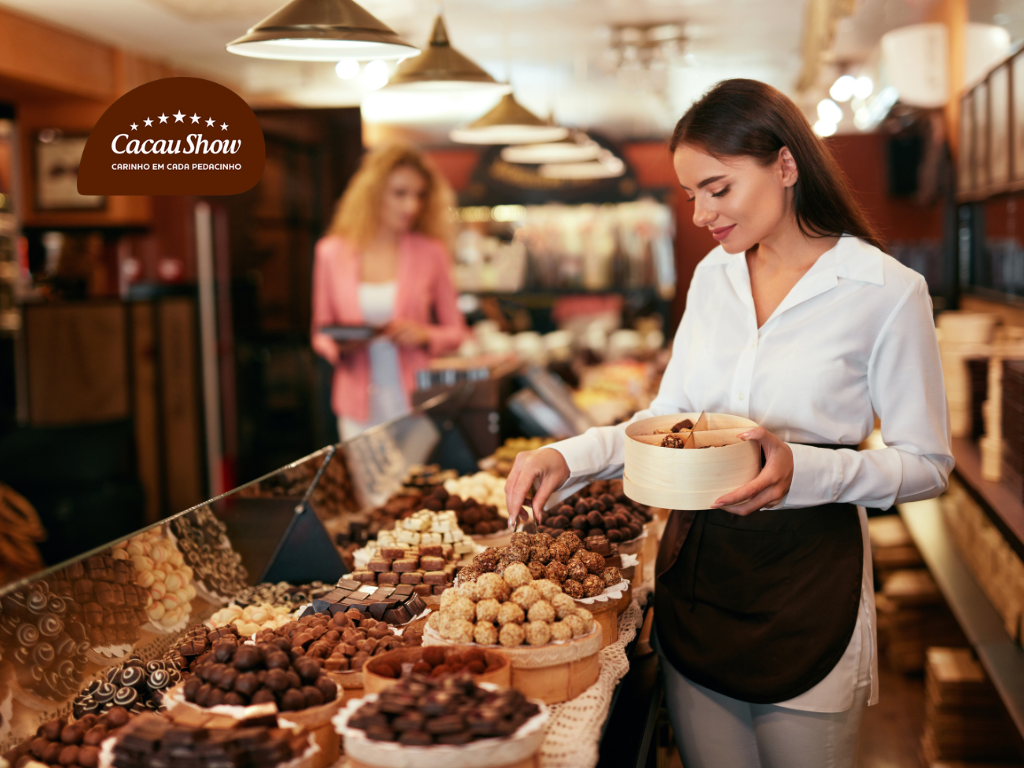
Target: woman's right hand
x,y
347,347
547,468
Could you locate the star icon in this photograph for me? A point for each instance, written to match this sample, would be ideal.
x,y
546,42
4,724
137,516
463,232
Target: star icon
x,y
223,126
148,121
179,117
163,118
135,126
195,118
210,122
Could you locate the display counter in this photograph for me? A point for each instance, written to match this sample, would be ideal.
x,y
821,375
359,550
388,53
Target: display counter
x,y
68,635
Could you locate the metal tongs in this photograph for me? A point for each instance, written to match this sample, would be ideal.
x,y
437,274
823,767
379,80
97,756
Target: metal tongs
x,y
527,504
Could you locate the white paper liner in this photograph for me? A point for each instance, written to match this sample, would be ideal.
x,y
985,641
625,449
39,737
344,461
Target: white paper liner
x,y
106,756
518,747
629,560
159,629
633,545
6,713
109,654
613,592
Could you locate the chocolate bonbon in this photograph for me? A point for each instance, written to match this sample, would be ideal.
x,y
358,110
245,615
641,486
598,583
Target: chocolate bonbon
x,y
203,542
196,643
420,711
58,743
600,508
134,685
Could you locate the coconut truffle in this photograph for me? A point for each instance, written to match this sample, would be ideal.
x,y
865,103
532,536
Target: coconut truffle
x,y
433,620
611,576
538,633
462,608
510,613
516,575
559,552
541,610
485,633
460,631
468,589
576,624
449,596
547,589
525,596
487,610
556,572
511,635
560,631
576,571
563,605
573,589
492,586
593,585
587,618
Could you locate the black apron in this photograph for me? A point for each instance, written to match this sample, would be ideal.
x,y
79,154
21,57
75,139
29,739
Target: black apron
x,y
759,608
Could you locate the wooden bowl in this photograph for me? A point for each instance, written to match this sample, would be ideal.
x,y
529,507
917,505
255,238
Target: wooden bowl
x,y
375,683
688,479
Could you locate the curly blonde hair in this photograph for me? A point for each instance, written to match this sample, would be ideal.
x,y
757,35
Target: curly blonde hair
x,y
358,212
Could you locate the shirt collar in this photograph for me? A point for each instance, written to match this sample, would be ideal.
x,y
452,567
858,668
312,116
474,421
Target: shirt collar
x,y
852,259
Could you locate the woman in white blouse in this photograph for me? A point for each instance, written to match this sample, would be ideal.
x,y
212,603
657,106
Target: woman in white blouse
x,y
764,605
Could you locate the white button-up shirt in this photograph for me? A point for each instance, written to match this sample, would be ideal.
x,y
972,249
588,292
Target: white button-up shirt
x,y
853,339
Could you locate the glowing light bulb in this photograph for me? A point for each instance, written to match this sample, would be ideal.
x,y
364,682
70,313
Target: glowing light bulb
x,y
347,69
829,111
864,87
843,88
824,128
375,75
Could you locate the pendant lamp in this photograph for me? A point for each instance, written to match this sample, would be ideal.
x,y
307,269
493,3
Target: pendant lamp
x,y
577,148
322,30
508,123
442,68
607,167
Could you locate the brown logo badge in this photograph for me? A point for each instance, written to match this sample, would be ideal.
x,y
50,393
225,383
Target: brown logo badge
x,y
177,136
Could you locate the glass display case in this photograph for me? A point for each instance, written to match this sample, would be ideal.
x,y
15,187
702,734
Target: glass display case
x,y
64,627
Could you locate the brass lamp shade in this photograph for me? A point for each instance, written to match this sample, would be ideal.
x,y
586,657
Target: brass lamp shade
x,y
322,30
442,68
578,148
508,123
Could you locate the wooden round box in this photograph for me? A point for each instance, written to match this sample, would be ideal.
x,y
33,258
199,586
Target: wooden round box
x,y
375,683
553,673
682,478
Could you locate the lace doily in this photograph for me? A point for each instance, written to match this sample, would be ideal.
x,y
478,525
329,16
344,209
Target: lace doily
x,y
613,593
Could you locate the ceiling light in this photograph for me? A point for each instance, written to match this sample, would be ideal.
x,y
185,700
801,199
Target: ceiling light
x,y
824,128
862,118
442,68
829,111
843,88
576,149
375,75
347,69
508,123
864,87
322,30
609,167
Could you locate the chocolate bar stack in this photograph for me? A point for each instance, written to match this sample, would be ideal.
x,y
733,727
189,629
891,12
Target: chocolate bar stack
x,y
149,741
196,644
113,605
1013,416
428,568
398,604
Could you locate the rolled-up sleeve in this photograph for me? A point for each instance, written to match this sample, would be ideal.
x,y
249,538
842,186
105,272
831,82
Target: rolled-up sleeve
x,y
908,395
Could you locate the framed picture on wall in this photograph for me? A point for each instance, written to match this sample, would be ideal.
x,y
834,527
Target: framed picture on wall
x,y
57,156
981,137
965,163
999,127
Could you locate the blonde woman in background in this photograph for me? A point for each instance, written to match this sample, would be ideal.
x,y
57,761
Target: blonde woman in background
x,y
384,263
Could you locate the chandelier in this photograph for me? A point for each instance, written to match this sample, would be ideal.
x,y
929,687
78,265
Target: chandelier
x,y
640,55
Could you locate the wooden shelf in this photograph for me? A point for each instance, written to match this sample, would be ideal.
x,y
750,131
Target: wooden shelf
x,y
999,500
1001,658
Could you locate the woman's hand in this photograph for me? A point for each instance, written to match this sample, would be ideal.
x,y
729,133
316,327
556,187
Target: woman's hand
x,y
546,466
406,333
771,485
348,347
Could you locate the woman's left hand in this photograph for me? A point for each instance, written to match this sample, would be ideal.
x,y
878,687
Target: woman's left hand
x,y
771,485
406,333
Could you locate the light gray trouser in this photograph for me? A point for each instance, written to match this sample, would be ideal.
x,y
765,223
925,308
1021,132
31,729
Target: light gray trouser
x,y
714,731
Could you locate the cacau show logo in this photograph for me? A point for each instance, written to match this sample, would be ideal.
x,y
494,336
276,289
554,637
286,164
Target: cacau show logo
x,y
177,136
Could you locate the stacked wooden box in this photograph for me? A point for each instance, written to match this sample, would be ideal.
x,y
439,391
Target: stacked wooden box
x,y
962,335
977,374
912,616
964,718
994,564
892,549
1013,416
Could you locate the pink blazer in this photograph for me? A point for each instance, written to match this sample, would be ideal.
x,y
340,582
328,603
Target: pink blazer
x,y
424,286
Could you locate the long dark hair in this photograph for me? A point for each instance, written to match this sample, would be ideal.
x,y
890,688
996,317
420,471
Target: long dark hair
x,y
748,118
